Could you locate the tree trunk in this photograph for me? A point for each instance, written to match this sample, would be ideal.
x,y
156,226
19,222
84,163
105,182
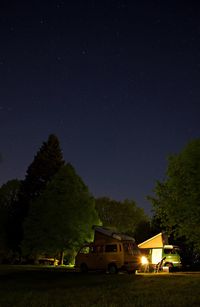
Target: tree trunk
x,y
61,257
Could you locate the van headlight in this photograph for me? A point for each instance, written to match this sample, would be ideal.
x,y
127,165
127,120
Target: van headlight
x,y
144,260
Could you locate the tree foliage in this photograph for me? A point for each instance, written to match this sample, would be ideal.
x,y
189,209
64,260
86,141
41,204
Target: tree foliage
x,y
45,165
177,198
62,217
9,193
124,216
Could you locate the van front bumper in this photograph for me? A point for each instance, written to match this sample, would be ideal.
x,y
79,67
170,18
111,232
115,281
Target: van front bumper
x,y
130,266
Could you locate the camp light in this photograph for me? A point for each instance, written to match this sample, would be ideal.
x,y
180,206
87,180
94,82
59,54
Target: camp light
x,y
144,260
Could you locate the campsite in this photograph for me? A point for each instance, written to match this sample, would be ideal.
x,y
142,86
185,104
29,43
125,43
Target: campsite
x,y
35,286
52,285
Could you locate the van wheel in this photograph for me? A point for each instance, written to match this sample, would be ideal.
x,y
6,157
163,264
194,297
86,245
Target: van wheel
x,y
169,265
84,268
112,269
131,272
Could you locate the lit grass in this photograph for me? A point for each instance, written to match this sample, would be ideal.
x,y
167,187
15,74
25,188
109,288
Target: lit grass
x,y
23,286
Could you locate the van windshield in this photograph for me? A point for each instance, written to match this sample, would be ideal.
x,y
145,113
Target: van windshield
x,y
171,251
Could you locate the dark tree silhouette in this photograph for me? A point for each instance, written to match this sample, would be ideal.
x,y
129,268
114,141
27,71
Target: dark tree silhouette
x,y
45,165
9,193
125,216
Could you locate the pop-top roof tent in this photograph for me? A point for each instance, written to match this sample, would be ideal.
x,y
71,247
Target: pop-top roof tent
x,y
105,234
157,241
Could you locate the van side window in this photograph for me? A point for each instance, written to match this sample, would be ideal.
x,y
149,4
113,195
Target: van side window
x,y
99,248
111,248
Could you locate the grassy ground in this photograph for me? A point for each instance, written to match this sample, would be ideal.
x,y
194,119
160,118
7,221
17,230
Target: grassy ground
x,y
44,286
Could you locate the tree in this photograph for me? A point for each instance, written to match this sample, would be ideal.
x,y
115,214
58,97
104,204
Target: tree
x,y
62,217
124,216
143,230
177,198
45,165
9,193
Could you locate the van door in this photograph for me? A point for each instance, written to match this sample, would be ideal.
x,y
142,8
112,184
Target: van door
x,y
156,256
113,254
99,257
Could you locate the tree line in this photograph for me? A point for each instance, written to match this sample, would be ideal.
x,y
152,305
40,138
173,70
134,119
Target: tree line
x,y
51,211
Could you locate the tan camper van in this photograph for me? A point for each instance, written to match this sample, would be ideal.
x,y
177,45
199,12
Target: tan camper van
x,y
110,252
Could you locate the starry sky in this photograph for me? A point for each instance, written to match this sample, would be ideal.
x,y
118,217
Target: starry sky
x,y
117,81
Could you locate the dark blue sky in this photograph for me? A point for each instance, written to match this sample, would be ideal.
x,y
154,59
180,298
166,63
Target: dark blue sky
x,y
117,81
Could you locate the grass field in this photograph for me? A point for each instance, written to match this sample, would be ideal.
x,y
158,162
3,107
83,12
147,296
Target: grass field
x,y
48,286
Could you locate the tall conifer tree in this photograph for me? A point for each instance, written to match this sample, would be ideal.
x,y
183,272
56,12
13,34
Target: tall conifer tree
x,y
46,164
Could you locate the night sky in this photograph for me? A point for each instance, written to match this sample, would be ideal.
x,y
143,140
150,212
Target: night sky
x,y
117,81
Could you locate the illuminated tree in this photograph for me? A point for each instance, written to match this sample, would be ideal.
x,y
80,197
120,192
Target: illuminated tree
x,y
177,198
62,217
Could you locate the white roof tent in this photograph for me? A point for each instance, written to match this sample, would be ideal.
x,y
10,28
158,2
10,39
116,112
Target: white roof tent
x,y
101,232
158,241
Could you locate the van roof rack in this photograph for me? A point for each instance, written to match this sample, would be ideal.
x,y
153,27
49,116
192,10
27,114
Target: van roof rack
x,y
111,233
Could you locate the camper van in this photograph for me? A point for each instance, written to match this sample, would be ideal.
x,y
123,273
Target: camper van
x,y
160,254
111,252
